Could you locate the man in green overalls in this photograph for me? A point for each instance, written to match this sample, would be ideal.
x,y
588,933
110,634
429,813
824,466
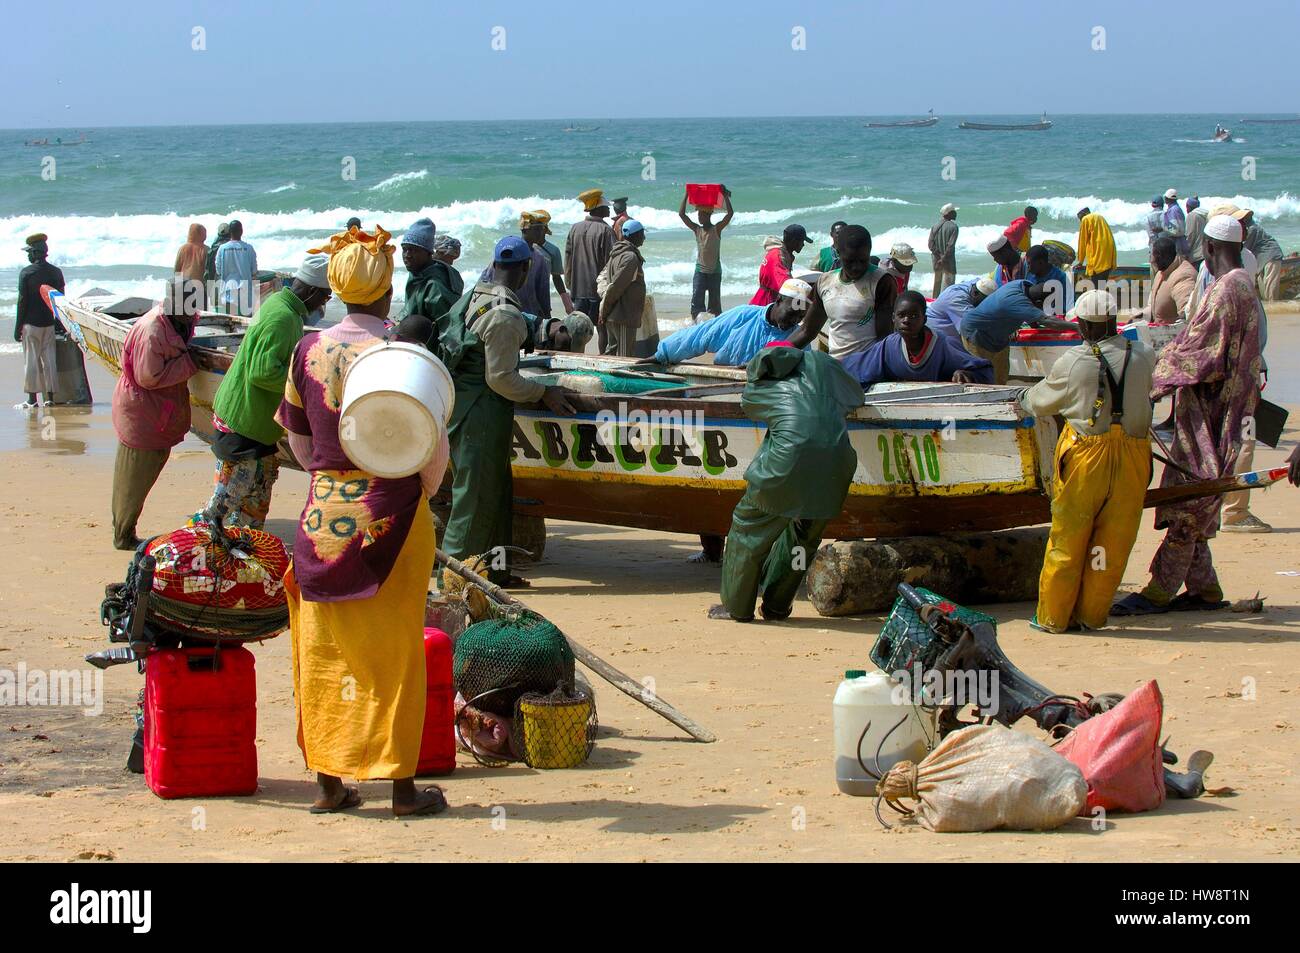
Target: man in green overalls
x,y
798,480
480,345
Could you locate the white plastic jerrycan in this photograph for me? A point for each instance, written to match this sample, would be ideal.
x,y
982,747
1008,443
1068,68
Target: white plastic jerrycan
x,y
869,698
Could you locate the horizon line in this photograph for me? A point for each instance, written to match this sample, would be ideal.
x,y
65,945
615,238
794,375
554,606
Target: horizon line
x,y
533,120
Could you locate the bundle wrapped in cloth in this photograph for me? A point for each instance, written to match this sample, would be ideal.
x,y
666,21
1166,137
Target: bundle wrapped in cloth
x,y
216,584
986,778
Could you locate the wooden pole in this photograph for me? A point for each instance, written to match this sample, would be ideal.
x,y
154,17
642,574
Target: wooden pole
x,y
624,683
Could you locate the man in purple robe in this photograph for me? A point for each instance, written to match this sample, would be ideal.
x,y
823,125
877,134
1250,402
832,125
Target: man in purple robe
x,y
1212,370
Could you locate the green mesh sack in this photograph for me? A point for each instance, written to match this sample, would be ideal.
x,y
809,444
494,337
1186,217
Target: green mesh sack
x,y
498,660
905,640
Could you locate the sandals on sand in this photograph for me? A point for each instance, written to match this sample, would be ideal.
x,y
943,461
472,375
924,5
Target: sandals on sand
x,y
1136,604
351,798
1190,603
436,806
1071,630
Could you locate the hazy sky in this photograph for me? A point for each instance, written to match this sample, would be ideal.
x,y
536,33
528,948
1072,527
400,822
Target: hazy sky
x,y
81,64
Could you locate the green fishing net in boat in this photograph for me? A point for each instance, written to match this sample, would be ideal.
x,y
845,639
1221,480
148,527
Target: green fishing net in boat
x,y
601,382
498,660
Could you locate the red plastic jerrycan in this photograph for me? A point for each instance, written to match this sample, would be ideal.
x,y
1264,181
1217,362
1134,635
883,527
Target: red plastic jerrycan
x,y
200,722
438,742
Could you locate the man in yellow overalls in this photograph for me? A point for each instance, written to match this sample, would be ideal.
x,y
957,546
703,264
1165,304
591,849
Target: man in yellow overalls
x,y
1103,465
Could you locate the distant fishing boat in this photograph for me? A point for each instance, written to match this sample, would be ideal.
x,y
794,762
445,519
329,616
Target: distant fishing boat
x,y
1221,134
580,128
929,120
1272,122
1043,123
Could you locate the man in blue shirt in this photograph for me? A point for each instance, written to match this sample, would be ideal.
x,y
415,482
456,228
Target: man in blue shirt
x,y
735,336
915,353
988,328
1060,289
236,266
945,312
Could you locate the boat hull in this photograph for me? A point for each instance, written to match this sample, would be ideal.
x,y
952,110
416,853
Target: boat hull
x,y
943,459
999,127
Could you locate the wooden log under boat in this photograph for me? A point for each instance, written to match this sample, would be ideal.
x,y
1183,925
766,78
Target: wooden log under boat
x,y
849,577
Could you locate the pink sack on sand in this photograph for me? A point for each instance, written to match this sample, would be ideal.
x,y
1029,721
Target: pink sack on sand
x,y
1118,752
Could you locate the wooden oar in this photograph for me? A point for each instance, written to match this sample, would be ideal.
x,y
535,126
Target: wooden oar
x,y
624,683
1255,480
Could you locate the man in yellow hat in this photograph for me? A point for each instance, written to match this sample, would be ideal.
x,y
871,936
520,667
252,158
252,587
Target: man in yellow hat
x,y
586,251
557,259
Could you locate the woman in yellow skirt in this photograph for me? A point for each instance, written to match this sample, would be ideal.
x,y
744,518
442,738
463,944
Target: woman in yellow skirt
x,y
362,558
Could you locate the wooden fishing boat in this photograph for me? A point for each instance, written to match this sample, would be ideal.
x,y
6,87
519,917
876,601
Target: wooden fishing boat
x,y
1042,124
930,120
1289,283
1033,352
932,458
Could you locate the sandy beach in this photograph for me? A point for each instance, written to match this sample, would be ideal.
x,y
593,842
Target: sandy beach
x,y
763,791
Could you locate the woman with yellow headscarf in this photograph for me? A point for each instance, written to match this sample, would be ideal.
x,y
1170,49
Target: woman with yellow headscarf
x,y
362,558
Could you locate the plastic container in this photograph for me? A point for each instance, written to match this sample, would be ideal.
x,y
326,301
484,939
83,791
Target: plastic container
x,y
200,722
438,741
397,399
704,196
868,698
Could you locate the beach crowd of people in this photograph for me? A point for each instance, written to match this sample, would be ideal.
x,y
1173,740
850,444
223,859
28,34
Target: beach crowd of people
x,y
811,340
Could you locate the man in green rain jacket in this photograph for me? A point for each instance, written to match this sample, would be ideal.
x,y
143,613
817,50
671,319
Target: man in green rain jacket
x,y
433,286
797,481
480,344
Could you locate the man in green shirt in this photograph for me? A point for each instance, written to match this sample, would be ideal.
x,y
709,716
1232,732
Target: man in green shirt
x,y
243,412
433,286
828,259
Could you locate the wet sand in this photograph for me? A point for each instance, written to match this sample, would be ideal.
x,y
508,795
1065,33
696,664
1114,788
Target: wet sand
x,y
764,791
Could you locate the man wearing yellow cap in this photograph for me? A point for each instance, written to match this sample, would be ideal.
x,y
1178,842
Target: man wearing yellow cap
x,y
585,252
556,257
480,345
535,293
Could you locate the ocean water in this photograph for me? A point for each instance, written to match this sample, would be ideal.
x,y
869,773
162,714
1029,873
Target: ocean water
x,y
119,205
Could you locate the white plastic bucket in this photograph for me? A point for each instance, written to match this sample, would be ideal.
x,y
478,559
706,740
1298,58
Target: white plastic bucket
x,y
397,399
868,698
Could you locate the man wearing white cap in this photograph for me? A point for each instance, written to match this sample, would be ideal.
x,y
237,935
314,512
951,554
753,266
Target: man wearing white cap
x,y
243,411
1212,370
944,313
1103,465
943,249
735,336
1236,516
900,263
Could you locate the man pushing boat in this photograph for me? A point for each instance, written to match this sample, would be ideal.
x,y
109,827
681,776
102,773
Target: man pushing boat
x,y
480,345
796,483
